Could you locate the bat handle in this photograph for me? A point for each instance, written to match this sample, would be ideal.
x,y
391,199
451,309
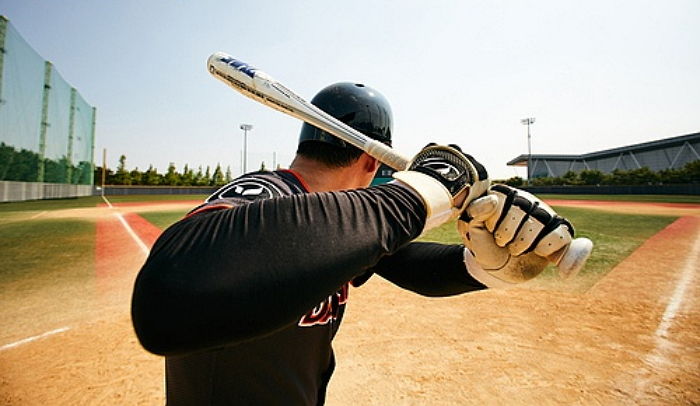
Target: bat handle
x,y
571,258
386,155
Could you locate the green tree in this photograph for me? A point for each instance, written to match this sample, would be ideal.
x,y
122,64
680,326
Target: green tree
x,y
515,181
136,176
97,176
151,177
692,171
187,178
7,154
548,181
618,177
171,177
24,166
207,177
218,176
199,178
122,176
570,178
55,171
591,176
643,176
229,177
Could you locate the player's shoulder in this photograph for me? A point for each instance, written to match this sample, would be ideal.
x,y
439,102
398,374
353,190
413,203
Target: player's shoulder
x,y
252,187
257,186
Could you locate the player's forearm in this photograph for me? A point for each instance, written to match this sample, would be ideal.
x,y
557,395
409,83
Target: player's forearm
x,y
230,275
429,269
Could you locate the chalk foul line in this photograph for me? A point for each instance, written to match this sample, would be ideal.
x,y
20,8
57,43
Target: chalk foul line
x,y
34,338
109,204
38,215
127,227
674,303
658,358
132,233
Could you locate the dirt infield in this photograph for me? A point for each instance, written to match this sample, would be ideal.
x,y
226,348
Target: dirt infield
x,y
634,338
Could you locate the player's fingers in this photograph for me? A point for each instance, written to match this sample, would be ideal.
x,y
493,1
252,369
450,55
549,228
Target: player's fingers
x,y
525,220
519,210
486,251
529,231
483,247
528,220
509,225
482,208
505,196
554,241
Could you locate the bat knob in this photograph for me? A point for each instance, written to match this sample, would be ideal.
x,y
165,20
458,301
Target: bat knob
x,y
574,257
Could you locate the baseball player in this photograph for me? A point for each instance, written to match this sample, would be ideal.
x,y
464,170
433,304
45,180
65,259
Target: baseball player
x,y
244,296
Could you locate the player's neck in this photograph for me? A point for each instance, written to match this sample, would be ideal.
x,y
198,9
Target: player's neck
x,y
321,178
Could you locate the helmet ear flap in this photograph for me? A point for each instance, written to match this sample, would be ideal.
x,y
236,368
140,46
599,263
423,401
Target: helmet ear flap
x,y
356,105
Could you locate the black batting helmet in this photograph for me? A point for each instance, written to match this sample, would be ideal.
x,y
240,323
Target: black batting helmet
x,y
356,105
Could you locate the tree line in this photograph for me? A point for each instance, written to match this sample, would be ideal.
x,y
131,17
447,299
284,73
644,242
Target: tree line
x,y
171,177
690,173
24,165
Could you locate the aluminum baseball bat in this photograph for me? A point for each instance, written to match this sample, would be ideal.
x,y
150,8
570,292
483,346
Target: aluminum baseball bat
x,y
262,88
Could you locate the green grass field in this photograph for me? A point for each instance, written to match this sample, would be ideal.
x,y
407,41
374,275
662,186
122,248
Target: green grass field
x,y
90,201
628,198
614,235
154,198
50,246
163,219
58,204
58,249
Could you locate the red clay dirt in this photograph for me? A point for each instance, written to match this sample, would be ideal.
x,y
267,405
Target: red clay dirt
x,y
631,339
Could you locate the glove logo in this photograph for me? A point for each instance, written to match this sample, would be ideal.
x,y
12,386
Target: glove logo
x,y
445,169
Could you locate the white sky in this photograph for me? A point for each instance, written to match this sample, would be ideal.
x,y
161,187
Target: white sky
x,y
595,74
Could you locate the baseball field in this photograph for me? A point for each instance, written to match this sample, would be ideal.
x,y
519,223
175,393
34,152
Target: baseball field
x,y
626,330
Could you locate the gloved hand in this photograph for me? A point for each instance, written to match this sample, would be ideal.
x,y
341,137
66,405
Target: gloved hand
x,y
510,233
446,179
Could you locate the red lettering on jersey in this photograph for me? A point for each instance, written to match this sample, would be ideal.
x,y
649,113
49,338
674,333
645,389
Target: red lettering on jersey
x,y
327,310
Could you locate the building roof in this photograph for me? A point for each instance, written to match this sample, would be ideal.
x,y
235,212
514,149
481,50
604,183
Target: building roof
x,y
521,160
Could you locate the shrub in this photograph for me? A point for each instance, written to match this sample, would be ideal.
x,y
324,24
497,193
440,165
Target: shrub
x,y
591,177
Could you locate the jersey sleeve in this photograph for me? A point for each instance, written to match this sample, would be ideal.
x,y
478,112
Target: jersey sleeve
x,y
224,276
430,269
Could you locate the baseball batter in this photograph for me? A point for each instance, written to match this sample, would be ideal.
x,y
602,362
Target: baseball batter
x,y
244,296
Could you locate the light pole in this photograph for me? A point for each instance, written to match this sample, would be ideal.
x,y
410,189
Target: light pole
x,y
528,121
245,128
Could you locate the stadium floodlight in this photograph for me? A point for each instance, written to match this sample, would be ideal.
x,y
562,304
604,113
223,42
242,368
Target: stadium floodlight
x,y
245,128
528,121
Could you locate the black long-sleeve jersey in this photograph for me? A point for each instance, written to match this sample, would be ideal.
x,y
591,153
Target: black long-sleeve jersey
x,y
245,294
